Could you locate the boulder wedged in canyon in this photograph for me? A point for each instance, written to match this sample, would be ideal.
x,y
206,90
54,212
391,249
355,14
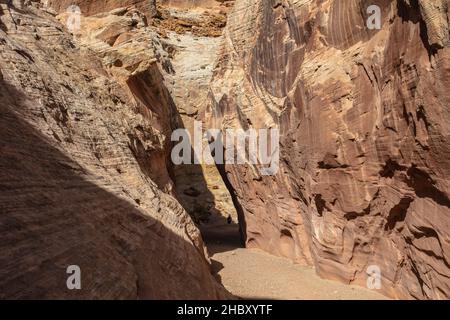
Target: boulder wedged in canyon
x,y
364,122
85,128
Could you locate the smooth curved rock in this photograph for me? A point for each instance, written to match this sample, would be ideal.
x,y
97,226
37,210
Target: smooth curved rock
x,y
364,121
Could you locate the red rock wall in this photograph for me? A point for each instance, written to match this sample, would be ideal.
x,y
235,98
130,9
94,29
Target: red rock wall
x,y
364,122
83,172
190,4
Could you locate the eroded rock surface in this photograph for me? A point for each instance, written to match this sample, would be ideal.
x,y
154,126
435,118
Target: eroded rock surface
x,y
86,118
93,7
85,127
188,55
364,122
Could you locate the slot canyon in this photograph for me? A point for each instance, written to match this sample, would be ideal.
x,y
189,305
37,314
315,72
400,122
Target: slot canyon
x,y
91,92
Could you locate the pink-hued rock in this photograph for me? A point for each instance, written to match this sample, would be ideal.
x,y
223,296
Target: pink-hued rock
x,y
364,120
92,7
85,123
84,170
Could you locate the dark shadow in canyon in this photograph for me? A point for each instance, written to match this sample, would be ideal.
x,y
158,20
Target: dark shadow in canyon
x,y
221,236
219,233
237,205
412,13
190,186
52,216
194,195
216,266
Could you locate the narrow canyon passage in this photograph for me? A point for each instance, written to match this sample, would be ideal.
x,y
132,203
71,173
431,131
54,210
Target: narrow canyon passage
x,y
205,192
94,98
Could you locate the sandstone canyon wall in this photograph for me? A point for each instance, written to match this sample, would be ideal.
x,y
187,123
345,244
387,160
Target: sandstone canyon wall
x,y
85,179
92,7
364,120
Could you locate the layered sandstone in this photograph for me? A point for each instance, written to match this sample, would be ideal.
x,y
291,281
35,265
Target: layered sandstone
x,y
187,49
364,122
85,177
92,7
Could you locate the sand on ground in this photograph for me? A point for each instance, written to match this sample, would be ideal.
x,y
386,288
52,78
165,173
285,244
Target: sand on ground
x,y
255,274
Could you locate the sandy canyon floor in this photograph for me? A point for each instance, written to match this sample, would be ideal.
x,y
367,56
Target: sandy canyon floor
x,y
254,274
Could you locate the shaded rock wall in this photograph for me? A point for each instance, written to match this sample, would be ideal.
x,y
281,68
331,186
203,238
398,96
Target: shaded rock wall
x,y
83,173
364,122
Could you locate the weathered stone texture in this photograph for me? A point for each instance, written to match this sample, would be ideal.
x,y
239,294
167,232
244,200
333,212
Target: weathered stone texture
x,y
84,173
364,120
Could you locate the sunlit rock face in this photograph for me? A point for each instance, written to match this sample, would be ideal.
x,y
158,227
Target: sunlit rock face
x,y
92,7
85,124
364,122
86,118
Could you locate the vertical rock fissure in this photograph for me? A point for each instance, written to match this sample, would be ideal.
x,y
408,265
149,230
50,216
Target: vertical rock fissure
x,y
237,205
188,47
